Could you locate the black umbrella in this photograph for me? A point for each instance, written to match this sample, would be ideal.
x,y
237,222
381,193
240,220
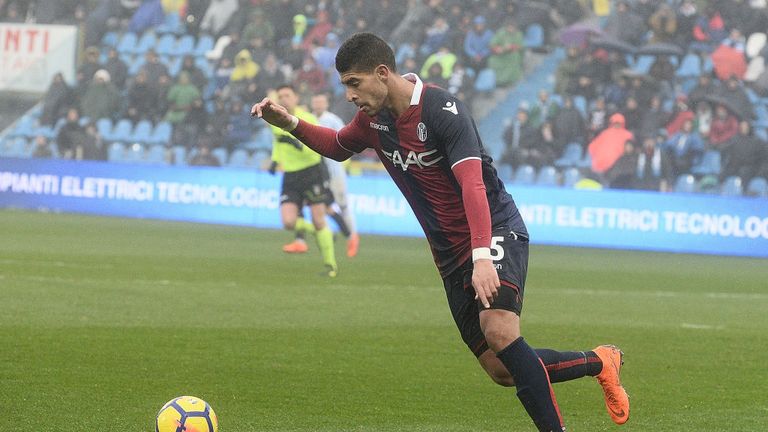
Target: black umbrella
x,y
612,44
730,104
661,48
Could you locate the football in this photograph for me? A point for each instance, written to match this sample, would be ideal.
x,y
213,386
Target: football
x,y
188,414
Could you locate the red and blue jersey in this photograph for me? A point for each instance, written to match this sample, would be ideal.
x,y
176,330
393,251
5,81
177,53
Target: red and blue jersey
x,y
424,151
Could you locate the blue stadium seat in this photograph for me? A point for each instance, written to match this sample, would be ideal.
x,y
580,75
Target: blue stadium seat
x,y
25,127
134,153
166,44
731,186
221,154
179,155
238,159
571,176
260,160
127,43
505,172
580,102
571,156
142,132
184,46
174,66
486,80
685,183
534,36
172,23
121,132
110,39
758,187
643,64
162,134
547,176
710,164
586,161
13,147
525,175
156,155
204,44
204,66
116,152
690,67
147,41
104,128
45,131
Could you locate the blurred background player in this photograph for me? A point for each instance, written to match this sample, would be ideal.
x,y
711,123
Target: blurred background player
x,y
338,210
305,181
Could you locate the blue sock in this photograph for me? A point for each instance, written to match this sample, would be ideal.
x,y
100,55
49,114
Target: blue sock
x,y
532,382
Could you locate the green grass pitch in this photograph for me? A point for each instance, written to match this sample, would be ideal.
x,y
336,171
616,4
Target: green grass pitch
x,y
102,320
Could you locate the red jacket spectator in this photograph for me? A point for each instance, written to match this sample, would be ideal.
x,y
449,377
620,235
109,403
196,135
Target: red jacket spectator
x,y
608,147
724,126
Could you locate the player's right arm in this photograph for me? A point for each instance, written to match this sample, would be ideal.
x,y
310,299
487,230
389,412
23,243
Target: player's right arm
x,y
339,146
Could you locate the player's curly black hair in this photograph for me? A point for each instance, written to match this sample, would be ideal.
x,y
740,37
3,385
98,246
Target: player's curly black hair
x,y
364,52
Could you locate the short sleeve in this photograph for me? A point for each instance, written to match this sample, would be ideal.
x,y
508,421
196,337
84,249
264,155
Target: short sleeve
x,y
454,126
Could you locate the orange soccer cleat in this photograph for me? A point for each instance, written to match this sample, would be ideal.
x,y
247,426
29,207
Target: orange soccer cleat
x,y
616,398
296,246
352,244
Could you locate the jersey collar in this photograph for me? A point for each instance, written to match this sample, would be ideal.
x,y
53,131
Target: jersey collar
x,y
416,96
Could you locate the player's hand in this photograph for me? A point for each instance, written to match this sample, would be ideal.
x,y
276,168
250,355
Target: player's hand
x,y
485,280
272,113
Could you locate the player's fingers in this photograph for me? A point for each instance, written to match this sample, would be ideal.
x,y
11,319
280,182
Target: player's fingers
x,y
484,295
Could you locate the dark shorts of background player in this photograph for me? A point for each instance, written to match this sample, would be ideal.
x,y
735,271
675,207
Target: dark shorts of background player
x,y
308,186
512,269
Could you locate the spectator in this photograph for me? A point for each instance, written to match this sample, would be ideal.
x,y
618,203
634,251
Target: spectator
x,y
460,83
239,126
568,125
623,173
310,78
626,25
56,100
148,15
687,14
232,48
325,55
507,58
256,47
244,71
163,87
270,76
683,149
567,71
102,98
92,147
477,44
680,114
608,146
653,166
203,157
259,26
724,126
89,67
435,75
70,134
180,99
633,114
616,92
663,24
704,118
446,59
187,133
653,119
743,154
153,67
734,93
598,118
705,86
519,137
708,31
118,70
543,109
196,76
663,72
217,16
317,34
142,99
43,149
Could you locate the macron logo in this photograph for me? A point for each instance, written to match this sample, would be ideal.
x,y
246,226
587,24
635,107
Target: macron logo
x,y
380,127
451,108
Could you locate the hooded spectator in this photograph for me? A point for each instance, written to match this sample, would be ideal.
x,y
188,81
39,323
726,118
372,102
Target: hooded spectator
x,y
217,16
56,100
477,43
102,98
724,126
743,154
683,149
507,58
609,145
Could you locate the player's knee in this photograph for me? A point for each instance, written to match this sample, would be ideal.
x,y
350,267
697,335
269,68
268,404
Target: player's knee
x,y
499,338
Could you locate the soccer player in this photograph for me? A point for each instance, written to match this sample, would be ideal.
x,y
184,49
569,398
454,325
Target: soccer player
x,y
305,181
337,209
429,144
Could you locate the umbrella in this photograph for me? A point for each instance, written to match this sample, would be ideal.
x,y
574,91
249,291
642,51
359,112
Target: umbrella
x,y
610,43
578,34
728,61
731,105
661,48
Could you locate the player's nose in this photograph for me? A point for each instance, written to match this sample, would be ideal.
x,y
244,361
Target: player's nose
x,y
351,96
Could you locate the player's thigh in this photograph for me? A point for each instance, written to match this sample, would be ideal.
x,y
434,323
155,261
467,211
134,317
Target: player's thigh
x,y
500,327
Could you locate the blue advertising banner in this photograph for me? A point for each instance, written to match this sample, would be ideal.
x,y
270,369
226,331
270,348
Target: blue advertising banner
x,y
613,219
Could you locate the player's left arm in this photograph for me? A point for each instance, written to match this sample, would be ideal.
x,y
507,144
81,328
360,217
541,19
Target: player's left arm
x,y
457,133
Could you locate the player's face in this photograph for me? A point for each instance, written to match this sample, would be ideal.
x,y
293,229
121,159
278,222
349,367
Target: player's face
x,y
287,98
367,90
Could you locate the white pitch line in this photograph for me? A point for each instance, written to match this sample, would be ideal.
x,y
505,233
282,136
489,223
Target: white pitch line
x,y
701,326
657,293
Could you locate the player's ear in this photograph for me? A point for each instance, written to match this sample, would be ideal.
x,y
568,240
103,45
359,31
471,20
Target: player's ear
x,y
382,72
